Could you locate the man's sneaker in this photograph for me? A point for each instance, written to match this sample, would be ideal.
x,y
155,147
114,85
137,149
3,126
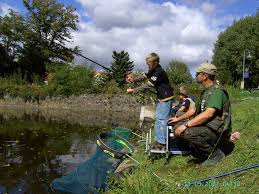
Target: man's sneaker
x,y
158,146
216,156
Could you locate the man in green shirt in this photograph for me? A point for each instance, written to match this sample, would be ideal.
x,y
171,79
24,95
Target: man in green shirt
x,y
210,125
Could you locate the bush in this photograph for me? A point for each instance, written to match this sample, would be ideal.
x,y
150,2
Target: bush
x,y
4,87
111,87
28,92
68,80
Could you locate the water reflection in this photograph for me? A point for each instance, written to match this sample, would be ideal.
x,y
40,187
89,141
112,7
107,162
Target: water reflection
x,y
34,151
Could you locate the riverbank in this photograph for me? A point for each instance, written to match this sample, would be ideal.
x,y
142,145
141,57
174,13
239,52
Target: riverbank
x,y
83,102
180,170
91,110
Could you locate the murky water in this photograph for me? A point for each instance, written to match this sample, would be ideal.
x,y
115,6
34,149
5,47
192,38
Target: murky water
x,y
35,150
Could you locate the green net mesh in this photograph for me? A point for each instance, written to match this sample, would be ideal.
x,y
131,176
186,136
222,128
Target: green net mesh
x,y
92,175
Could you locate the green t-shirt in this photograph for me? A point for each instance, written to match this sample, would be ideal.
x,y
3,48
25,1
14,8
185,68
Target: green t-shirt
x,y
217,99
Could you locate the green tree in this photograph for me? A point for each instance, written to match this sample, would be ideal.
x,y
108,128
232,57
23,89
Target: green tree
x,y
178,73
3,60
11,29
229,51
68,80
49,26
121,64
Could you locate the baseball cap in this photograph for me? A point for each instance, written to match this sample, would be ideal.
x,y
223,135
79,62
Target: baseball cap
x,y
207,68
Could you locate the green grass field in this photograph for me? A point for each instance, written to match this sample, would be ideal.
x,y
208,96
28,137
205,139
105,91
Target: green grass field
x,y
245,119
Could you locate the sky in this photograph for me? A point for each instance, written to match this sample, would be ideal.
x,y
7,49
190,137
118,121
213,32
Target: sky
x,y
184,30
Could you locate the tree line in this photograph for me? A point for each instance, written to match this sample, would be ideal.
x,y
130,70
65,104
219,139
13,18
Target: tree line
x,y
33,45
233,46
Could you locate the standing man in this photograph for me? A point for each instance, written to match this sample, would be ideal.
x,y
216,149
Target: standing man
x,y
158,79
211,125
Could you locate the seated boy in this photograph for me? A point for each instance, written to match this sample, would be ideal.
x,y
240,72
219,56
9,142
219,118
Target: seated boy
x,y
185,104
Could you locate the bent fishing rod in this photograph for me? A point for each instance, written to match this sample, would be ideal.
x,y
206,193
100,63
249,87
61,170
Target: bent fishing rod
x,y
79,54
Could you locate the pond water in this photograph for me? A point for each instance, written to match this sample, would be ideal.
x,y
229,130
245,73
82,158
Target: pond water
x,y
35,150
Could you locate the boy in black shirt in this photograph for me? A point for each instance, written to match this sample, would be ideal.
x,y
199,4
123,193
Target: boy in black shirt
x,y
158,79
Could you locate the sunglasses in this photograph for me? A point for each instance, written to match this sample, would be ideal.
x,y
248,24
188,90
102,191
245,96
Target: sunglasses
x,y
198,73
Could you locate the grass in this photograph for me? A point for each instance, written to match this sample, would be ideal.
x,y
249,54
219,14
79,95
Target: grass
x,y
237,94
178,171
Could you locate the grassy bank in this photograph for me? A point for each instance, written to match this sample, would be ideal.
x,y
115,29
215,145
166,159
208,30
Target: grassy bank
x,y
178,171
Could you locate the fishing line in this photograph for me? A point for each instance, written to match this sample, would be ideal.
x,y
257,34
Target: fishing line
x,y
106,68
145,167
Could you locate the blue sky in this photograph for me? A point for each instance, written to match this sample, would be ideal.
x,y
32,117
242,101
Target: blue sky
x,y
185,30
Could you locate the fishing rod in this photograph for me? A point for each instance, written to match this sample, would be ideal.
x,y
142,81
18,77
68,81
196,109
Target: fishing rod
x,y
188,184
79,54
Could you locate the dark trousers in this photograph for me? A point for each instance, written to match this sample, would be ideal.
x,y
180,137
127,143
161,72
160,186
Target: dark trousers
x,y
201,140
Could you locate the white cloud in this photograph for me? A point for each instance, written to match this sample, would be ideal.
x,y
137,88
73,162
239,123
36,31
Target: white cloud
x,y
124,13
5,8
208,8
140,26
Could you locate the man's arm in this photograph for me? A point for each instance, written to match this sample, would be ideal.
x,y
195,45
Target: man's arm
x,y
215,103
196,121
186,115
202,117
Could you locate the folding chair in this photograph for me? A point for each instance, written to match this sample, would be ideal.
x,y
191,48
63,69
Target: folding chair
x,y
146,126
174,146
